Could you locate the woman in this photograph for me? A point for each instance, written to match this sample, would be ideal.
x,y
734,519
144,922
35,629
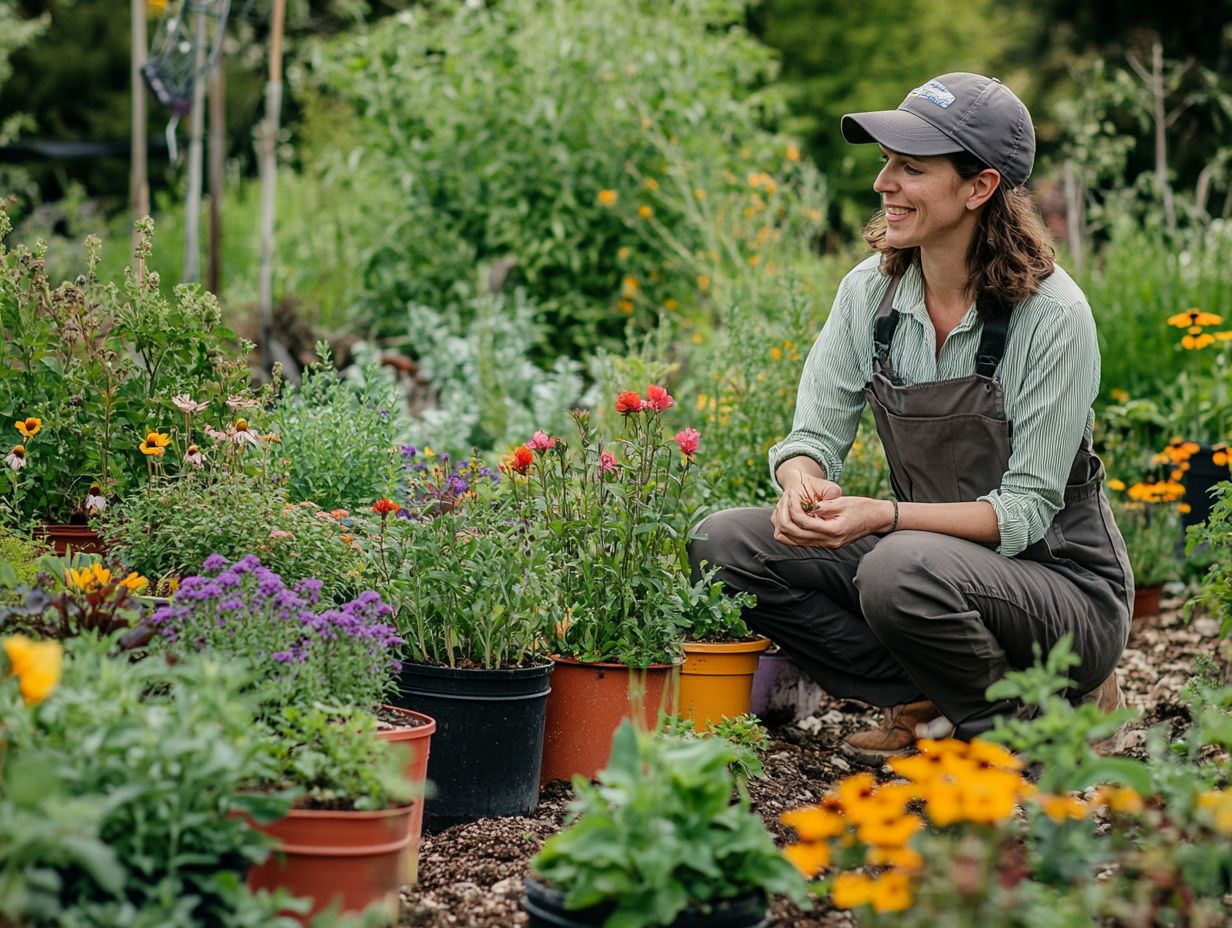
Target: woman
x,y
978,358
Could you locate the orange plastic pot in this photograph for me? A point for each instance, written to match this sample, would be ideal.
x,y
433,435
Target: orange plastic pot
x,y
717,680
1146,602
587,703
353,859
81,538
417,736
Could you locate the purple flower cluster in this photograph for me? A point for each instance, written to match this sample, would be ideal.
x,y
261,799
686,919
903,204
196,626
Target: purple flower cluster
x,y
308,649
435,481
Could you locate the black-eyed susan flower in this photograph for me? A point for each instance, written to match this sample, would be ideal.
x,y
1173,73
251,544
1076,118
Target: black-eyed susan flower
x,y
1061,808
1116,485
1192,317
16,459
29,427
155,444
850,890
35,664
810,858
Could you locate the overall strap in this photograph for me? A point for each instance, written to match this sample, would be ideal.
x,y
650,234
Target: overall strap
x,y
996,315
884,326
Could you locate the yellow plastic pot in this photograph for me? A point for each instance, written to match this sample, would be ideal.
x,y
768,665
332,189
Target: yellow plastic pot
x,y
717,679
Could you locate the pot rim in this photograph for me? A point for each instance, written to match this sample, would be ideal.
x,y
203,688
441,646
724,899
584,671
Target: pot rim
x,y
613,665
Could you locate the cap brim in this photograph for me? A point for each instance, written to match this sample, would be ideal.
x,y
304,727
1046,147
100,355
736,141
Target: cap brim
x,y
899,131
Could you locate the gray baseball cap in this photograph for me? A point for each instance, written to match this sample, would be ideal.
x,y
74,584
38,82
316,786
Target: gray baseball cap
x,y
951,113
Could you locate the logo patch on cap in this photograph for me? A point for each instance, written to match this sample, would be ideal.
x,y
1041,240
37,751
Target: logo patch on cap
x,y
934,92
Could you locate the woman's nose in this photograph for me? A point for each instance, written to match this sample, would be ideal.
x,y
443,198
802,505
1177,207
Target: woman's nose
x,y
883,183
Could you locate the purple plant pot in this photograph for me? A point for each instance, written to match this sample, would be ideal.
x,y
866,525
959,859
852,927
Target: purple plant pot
x,y
770,669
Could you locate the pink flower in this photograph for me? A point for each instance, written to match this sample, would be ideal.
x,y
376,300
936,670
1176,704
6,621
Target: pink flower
x,y
186,404
242,402
16,459
607,463
628,402
540,441
658,399
194,456
241,434
95,501
688,440
279,534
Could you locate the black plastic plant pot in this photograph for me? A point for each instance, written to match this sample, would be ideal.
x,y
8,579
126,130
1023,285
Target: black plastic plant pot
x,y
1200,479
546,908
488,743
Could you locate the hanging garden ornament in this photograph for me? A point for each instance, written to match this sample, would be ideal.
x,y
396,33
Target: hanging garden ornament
x,y
184,49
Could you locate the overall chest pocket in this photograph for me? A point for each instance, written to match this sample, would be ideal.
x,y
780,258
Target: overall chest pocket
x,y
948,459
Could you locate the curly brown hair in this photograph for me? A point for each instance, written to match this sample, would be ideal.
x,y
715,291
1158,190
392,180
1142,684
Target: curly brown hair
x,y
1010,252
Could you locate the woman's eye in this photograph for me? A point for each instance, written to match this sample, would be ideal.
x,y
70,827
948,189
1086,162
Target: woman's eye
x,y
911,170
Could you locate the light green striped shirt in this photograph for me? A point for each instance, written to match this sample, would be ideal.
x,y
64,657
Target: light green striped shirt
x,y
1050,372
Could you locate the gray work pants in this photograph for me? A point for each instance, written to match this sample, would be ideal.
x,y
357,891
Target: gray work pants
x,y
889,620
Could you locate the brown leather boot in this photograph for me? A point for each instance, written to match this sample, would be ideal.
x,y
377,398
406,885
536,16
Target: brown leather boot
x,y
897,733
1110,699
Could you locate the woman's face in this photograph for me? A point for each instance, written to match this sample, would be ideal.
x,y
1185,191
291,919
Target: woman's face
x,y
926,203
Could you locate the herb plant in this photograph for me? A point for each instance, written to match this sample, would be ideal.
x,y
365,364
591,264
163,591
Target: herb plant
x,y
660,832
1216,534
1151,526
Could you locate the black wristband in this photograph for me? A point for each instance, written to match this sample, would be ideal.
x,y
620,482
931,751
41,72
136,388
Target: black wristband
x,y
894,524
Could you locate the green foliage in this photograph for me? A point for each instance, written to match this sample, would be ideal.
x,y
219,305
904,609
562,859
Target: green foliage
x,y
745,736
1216,534
18,558
98,362
332,753
467,585
660,832
119,797
338,438
1151,532
175,524
707,613
485,134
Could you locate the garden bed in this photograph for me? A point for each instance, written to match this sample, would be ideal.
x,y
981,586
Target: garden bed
x,y
471,876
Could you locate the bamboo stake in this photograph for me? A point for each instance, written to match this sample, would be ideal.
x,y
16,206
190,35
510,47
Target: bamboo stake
x,y
217,164
268,159
196,131
138,176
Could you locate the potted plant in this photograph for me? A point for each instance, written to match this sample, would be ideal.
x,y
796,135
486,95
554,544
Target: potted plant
x,y
306,650
1148,514
660,842
467,588
88,370
721,654
611,516
343,842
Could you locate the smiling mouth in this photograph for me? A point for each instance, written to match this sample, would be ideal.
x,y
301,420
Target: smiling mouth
x,y
898,211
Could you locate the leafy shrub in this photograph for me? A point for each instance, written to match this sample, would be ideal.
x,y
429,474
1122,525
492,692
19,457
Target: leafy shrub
x,y
18,558
338,438
118,794
1216,534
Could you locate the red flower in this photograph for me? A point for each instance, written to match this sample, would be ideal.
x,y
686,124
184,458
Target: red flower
x,y
688,440
520,461
628,402
540,441
607,462
658,399
383,507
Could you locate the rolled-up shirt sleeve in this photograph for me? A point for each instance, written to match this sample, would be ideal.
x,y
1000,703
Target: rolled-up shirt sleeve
x,y
1050,410
830,397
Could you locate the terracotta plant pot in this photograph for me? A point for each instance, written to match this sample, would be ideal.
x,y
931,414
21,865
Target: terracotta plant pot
x,y
356,859
1146,601
81,538
717,680
417,736
587,703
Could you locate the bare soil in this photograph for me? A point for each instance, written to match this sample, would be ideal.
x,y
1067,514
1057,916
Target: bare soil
x,y
471,876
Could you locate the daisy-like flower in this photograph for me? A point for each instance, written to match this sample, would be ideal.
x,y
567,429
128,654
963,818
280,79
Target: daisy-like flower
x,y
1192,317
242,402
383,507
194,456
241,434
16,459
658,399
187,405
28,427
95,501
35,664
155,444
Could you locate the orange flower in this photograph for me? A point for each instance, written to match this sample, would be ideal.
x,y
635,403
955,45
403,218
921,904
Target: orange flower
x,y
814,823
519,461
155,444
383,507
607,197
1192,317
28,427
629,402
1059,808
36,664
851,890
809,858
890,892
645,212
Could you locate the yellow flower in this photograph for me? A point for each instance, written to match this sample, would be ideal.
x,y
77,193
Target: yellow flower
x,y
793,153
1059,808
1184,508
671,304
814,823
36,664
28,427
1220,457
88,579
645,211
155,444
652,184
851,890
1225,335
890,892
1219,804
776,353
623,252
1116,485
625,306
630,287
135,582
985,753
1121,396
901,858
607,197
1119,799
1191,317
700,194
809,858
703,283
1197,342
890,831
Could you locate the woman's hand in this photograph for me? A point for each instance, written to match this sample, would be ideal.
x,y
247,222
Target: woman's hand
x,y
837,522
792,520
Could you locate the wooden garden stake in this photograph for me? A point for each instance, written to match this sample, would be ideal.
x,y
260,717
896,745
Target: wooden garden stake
x,y
268,158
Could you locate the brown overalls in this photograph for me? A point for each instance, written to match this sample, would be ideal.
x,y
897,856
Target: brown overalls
x,y
888,619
